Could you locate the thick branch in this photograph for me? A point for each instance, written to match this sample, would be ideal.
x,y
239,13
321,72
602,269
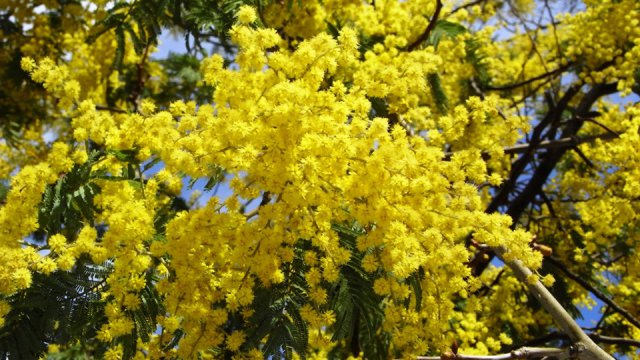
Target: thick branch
x,y
480,261
518,167
597,293
535,183
432,24
561,317
522,353
546,167
516,208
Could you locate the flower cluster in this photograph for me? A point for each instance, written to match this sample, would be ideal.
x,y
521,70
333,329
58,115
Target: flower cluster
x,y
366,152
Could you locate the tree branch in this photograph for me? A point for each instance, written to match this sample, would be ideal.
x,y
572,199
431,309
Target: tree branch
x,y
112,109
567,142
466,6
519,165
516,208
597,293
529,81
521,353
614,340
266,198
534,185
432,24
602,339
546,167
139,84
559,143
590,350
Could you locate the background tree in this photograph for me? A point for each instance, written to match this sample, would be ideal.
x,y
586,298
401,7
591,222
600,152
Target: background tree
x,y
381,160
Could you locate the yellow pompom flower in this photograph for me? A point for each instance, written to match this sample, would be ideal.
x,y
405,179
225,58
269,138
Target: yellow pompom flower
x,y
247,14
22,278
235,340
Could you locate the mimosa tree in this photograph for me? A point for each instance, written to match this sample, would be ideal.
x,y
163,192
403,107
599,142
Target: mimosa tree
x,y
401,179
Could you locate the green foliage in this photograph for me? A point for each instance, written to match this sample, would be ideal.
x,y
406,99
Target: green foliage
x,y
17,113
379,107
75,352
358,309
144,318
21,99
183,81
199,20
560,291
67,306
444,29
11,130
476,57
68,204
437,92
148,17
58,308
202,19
636,84
4,190
280,321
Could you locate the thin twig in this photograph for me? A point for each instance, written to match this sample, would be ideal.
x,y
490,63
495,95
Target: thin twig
x,y
603,339
139,85
605,313
266,198
551,73
592,120
614,340
597,293
110,108
466,6
432,24
550,144
486,288
555,30
584,157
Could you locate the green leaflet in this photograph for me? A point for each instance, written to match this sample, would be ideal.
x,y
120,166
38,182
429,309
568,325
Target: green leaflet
x,y
444,29
68,204
439,96
58,308
476,57
278,318
358,309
